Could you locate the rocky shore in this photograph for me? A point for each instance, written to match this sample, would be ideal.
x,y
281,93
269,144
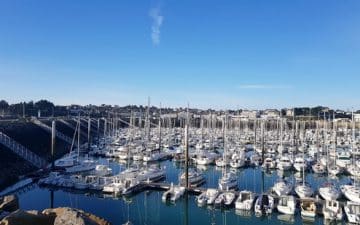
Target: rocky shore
x,y
10,214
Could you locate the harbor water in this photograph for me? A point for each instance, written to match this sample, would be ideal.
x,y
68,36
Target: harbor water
x,y
147,207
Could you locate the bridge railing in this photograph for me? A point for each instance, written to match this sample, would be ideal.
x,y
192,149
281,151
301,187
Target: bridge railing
x,y
22,151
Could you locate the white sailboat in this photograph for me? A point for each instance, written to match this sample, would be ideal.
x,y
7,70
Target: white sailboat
x,y
173,194
225,199
329,191
228,180
282,187
207,197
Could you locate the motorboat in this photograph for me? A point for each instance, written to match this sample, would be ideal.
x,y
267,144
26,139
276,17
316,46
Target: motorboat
x,y
195,178
245,201
308,208
332,210
352,211
225,199
173,194
264,205
228,181
287,204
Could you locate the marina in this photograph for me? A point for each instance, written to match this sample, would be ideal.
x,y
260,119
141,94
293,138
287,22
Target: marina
x,y
163,112
266,169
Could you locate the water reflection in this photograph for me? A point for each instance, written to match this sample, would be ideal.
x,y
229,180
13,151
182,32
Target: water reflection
x,y
147,207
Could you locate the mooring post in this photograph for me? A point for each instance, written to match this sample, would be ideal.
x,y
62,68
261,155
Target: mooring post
x,y
105,124
98,129
53,139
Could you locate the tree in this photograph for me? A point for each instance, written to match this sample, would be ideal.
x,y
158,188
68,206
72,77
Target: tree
x,y
4,105
44,105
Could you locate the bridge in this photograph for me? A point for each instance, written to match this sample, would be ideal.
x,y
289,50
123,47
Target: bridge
x,y
22,151
48,129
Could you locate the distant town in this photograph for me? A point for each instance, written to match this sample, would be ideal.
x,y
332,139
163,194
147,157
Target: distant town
x,y
45,108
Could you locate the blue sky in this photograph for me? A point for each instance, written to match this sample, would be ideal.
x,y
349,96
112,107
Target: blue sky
x,y
218,54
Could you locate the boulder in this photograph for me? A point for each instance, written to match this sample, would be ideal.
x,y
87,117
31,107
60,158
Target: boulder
x,y
58,216
21,217
9,203
69,216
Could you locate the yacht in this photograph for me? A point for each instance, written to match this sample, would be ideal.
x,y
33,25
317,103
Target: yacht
x,y
114,187
195,178
269,163
300,164
303,190
131,185
308,208
204,159
287,204
245,201
282,187
329,192
319,168
352,211
264,205
351,192
225,199
228,181
332,210
173,194
102,170
82,166
284,163
207,197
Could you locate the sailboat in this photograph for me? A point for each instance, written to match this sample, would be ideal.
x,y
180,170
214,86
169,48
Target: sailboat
x,y
173,194
329,191
282,187
303,190
225,199
228,180
207,197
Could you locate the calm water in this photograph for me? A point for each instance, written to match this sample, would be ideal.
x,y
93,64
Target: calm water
x,y
147,207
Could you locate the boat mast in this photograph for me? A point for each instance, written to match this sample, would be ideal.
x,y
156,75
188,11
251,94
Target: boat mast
x,y
79,130
160,128
187,149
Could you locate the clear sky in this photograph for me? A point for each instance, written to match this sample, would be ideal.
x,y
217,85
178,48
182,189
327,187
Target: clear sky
x,y
219,54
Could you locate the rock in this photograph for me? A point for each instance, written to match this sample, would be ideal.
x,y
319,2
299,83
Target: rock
x,y
21,217
9,203
68,216
58,216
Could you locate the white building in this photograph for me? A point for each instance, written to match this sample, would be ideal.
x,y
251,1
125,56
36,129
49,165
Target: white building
x,y
249,114
271,114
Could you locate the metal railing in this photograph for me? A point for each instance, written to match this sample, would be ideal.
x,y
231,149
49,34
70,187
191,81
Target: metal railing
x,y
48,129
22,151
